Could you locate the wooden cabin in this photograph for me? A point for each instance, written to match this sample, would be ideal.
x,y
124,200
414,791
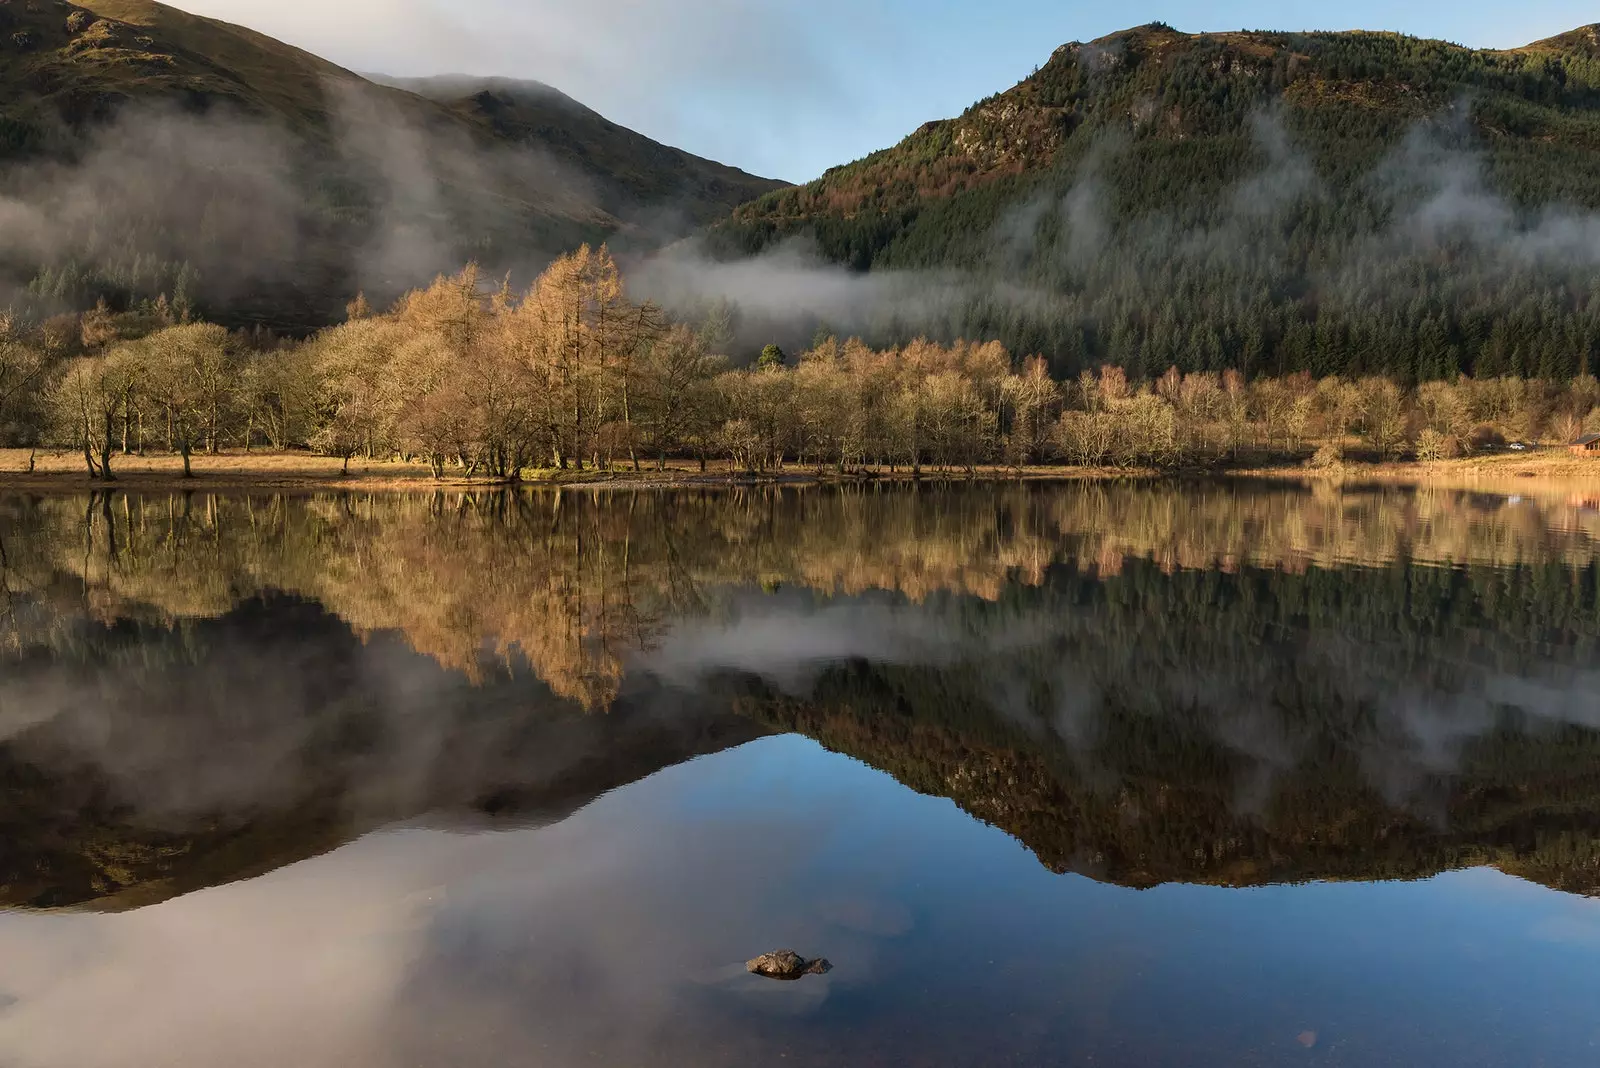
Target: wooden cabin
x,y
1588,445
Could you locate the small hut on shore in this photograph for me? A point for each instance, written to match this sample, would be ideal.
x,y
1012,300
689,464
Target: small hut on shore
x,y
1588,445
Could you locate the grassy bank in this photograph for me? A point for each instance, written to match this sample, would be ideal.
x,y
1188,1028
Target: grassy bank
x,y
63,470
1542,473
58,470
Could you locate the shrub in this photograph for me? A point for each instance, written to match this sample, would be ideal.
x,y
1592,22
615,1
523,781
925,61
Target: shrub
x,y
101,33
1329,457
23,40
1485,436
17,137
1432,445
77,21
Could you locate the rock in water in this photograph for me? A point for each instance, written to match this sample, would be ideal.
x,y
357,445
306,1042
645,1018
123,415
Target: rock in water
x,y
786,964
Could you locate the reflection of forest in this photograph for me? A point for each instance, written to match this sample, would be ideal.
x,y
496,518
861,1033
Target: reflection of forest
x,y
1222,683
143,760
573,582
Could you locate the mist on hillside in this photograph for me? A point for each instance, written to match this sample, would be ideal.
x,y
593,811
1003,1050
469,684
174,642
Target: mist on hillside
x,y
248,222
1067,245
242,218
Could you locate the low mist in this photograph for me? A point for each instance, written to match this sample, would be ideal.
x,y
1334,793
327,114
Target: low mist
x,y
1068,252
249,220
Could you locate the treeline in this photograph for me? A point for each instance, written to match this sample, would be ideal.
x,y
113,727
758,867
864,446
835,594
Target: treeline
x,y
574,374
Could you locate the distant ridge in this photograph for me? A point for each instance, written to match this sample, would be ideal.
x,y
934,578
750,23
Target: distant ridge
x,y
640,169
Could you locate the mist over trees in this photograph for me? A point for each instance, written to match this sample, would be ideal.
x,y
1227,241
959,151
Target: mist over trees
x,y
1339,204
144,150
574,374
1335,204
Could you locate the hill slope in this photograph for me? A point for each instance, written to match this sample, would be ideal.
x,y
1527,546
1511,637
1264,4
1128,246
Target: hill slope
x,y
631,171
145,149
1351,201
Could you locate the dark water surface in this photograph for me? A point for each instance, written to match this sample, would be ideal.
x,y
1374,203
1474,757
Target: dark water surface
x,y
1216,774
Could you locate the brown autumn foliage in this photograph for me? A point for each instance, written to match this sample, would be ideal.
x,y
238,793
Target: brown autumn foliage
x,y
574,585
573,374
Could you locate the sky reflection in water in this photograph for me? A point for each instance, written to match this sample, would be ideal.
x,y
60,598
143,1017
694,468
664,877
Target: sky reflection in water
x,y
615,937
1144,723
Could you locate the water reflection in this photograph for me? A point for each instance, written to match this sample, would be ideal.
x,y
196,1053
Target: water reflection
x,y
614,937
1218,684
1057,660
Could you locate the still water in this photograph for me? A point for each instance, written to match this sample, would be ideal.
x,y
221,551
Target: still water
x,y
1189,775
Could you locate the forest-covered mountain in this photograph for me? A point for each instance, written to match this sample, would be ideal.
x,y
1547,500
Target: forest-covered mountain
x,y
1334,202
146,150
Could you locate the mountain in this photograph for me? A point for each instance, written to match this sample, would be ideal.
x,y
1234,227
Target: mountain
x,y
1270,201
631,171
144,149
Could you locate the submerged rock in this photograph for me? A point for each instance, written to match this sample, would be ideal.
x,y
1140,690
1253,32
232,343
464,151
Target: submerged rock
x,y
786,964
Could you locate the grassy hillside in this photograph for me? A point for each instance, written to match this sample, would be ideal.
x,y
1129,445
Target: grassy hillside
x,y
78,62
632,172
1350,201
152,150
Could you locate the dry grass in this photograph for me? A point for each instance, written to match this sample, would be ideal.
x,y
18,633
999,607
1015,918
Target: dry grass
x,y
1543,473
56,470
59,470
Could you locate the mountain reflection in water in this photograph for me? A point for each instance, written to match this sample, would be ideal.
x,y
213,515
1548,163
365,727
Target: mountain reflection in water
x,y
1153,686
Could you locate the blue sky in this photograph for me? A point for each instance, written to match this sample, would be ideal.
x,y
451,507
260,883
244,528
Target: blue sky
x,y
788,88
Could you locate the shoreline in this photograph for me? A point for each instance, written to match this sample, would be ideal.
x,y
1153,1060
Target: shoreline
x,y
239,472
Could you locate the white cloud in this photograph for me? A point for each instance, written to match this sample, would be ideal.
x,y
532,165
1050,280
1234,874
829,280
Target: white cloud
x,y
787,88
734,79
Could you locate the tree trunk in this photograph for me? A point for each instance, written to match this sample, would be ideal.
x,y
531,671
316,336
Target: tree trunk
x,y
185,448
627,421
106,447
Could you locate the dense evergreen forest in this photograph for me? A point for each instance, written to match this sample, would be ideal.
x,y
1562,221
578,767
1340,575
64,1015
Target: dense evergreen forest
x,y
1353,203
